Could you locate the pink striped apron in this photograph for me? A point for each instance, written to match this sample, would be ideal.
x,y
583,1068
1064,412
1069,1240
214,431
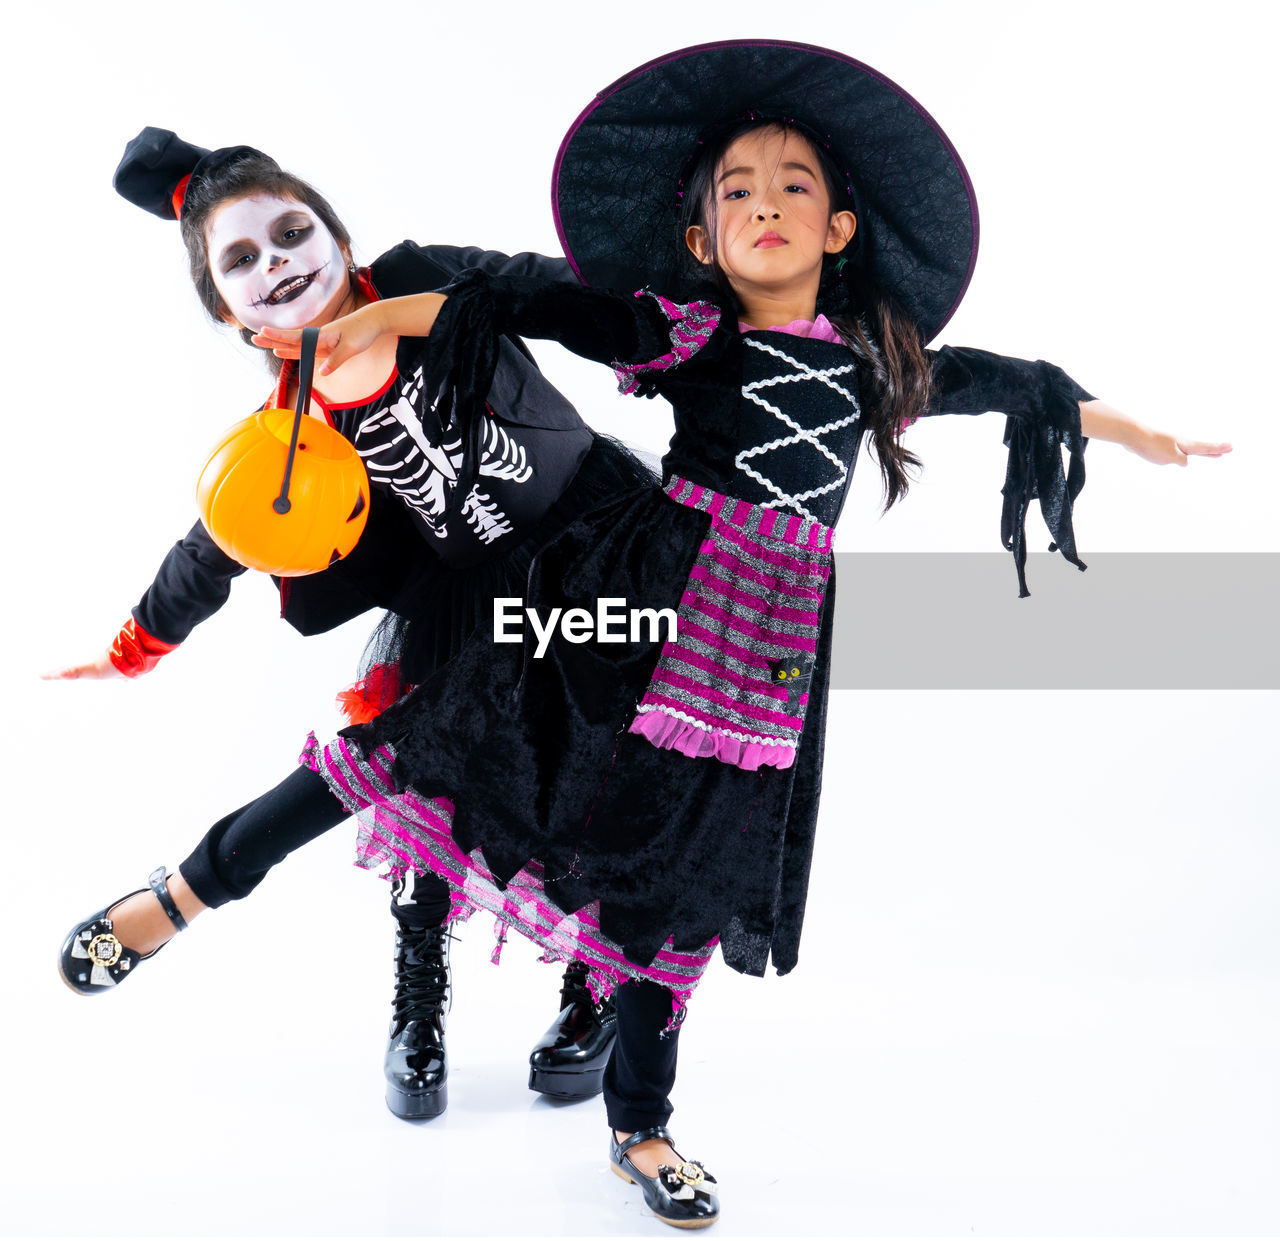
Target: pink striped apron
x,y
733,684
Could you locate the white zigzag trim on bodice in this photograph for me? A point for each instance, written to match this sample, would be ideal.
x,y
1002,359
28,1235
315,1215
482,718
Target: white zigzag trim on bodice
x,y
800,435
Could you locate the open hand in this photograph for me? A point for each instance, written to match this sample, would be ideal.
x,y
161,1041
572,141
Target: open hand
x,y
1098,420
1161,448
98,669
342,339
339,341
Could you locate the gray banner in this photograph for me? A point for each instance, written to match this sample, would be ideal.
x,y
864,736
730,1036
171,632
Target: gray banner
x,y
1132,621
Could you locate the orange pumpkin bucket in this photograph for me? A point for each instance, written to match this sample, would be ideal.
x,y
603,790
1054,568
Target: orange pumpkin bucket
x,y
282,493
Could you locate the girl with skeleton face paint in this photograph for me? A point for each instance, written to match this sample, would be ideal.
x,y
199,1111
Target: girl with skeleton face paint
x,y
266,250
275,263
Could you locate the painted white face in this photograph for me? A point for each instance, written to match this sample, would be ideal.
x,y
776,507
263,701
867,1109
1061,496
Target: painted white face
x,y
275,263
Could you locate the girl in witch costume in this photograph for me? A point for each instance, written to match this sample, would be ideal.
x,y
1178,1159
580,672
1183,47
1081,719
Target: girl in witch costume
x,y
798,229
440,544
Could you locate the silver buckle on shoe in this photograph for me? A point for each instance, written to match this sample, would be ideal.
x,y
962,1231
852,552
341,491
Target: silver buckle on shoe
x,y
104,950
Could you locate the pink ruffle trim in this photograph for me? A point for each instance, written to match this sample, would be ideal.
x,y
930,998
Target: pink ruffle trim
x,y
691,328
669,733
820,328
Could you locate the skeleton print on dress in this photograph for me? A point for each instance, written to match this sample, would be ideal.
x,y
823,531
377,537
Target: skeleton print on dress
x,y
398,454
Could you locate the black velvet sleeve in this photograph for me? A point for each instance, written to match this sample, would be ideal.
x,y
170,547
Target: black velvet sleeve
x,y
411,268
524,266
192,584
462,350
1042,404
597,324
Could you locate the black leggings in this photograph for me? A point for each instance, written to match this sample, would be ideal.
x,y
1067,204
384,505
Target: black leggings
x,y
238,851
642,1069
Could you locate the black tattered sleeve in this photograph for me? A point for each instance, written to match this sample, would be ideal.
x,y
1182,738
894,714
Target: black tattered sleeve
x,y
1042,403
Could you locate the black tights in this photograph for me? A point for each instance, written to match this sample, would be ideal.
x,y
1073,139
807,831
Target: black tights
x,y
642,1069
238,851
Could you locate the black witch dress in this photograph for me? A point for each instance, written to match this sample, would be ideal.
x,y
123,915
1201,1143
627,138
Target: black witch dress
x,y
531,780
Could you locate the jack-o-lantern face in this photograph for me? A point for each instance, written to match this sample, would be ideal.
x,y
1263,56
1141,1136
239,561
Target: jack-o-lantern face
x,y
328,495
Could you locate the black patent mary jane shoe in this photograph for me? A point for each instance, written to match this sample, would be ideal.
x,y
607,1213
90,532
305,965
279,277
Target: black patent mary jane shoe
x,y
568,1061
683,1196
93,960
416,1065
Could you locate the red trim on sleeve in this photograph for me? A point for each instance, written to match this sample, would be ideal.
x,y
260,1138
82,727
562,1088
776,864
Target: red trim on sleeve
x,y
136,651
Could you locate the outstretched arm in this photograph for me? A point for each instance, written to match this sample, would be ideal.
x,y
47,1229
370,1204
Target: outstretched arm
x,y
1047,411
100,668
344,338
629,332
194,581
449,262
974,381
1101,421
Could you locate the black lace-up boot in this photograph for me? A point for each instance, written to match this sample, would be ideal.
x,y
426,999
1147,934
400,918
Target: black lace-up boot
x,y
416,1066
569,1060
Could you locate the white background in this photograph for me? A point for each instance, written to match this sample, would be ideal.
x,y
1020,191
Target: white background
x,y
1039,985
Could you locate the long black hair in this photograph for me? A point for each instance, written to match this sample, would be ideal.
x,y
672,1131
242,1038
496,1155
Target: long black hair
x,y
255,174
882,336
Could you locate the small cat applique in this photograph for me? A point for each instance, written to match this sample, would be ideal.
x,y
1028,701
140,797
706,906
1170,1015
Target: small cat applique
x,y
793,675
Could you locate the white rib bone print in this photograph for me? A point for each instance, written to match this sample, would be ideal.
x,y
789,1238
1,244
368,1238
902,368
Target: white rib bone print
x,y
397,453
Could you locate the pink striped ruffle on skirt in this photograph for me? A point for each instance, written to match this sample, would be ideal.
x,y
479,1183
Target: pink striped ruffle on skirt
x,y
404,831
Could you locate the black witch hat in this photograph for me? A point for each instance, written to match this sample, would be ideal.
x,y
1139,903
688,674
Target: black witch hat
x,y
618,179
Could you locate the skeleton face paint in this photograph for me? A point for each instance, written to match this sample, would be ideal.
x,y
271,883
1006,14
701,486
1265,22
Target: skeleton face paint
x,y
275,263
